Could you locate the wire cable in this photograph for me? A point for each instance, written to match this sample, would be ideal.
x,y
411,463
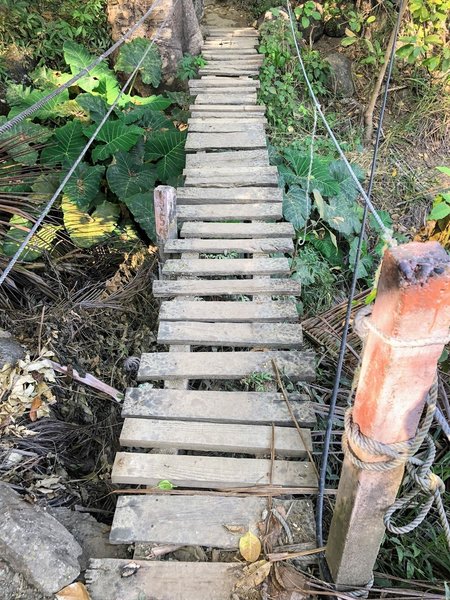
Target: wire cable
x,y
43,101
342,349
69,174
387,235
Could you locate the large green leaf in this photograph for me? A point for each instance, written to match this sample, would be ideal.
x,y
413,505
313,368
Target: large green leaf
x,y
169,148
94,105
153,120
40,242
69,142
20,98
342,216
44,187
87,230
150,103
131,54
23,138
84,185
108,88
126,177
117,137
347,186
299,169
296,206
141,207
365,264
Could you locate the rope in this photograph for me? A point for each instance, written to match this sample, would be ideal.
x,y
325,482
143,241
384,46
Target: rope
x,y
52,200
43,101
387,235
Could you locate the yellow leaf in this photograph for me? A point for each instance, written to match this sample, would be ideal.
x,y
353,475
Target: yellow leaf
x,y
253,575
250,547
74,591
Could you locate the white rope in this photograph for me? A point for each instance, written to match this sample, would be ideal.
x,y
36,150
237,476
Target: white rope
x,y
387,235
43,101
61,186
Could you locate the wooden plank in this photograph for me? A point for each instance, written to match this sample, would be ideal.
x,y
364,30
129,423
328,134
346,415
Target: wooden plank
x,y
161,580
211,113
223,311
260,408
233,54
236,230
225,212
215,437
220,91
206,267
245,246
214,195
230,108
256,158
240,140
217,81
151,519
209,471
224,42
296,366
242,98
224,125
225,287
234,335
231,71
250,179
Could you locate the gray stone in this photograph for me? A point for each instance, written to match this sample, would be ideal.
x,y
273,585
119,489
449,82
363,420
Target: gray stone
x,y
14,586
92,536
35,544
340,78
10,350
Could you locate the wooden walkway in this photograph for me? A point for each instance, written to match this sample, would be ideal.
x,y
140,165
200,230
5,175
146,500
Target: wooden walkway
x,y
228,310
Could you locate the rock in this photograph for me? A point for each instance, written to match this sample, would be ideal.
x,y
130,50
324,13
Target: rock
x,y
278,13
190,554
15,587
10,350
92,536
340,78
180,34
335,27
35,544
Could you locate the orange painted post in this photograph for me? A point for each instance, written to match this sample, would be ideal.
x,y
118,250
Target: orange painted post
x,y
165,203
406,334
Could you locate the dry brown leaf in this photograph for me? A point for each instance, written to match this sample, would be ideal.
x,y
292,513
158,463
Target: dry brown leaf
x,y
253,576
290,579
74,591
35,405
236,528
250,547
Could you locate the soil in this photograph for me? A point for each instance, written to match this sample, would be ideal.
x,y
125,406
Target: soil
x,y
220,13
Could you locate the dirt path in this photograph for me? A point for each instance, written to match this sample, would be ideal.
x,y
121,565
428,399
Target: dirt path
x,y
223,13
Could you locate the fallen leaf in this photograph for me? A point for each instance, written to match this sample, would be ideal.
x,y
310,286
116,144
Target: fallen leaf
x,y
250,547
291,580
235,528
37,403
74,591
254,574
130,569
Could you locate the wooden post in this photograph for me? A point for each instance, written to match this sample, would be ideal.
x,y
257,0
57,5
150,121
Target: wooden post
x,y
165,202
412,305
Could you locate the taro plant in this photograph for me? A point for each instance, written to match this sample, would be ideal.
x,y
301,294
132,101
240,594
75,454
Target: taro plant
x,y
189,65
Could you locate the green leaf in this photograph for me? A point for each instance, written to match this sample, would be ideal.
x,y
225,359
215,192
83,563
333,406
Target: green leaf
x,y
126,177
371,19
169,148
305,22
40,242
23,137
108,88
296,206
165,484
366,261
94,105
87,230
149,119
342,216
445,170
68,145
117,137
433,39
130,56
78,58
440,211
347,188
44,187
432,63
141,207
348,41
20,102
405,51
84,185
320,175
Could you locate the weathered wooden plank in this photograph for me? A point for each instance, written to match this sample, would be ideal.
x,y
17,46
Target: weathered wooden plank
x,y
244,246
211,99
234,31
224,125
252,178
226,212
206,267
236,230
151,519
296,366
231,71
220,91
239,140
215,437
214,195
209,471
223,311
260,408
217,81
234,335
161,580
230,108
225,287
233,54
221,114
233,158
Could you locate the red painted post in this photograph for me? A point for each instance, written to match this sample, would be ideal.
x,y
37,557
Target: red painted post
x,y
165,203
406,335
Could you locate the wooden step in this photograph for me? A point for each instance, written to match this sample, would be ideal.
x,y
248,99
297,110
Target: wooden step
x,y
230,70
242,98
225,287
135,468
243,335
234,31
226,212
212,113
194,520
236,230
230,195
215,437
224,125
161,580
223,312
256,158
237,83
244,246
258,408
224,42
219,141
211,267
232,176
229,91
230,108
296,366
